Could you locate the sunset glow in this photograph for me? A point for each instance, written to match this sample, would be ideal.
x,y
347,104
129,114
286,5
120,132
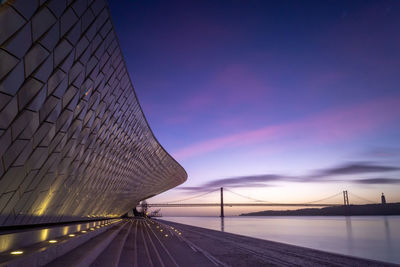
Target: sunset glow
x,y
269,89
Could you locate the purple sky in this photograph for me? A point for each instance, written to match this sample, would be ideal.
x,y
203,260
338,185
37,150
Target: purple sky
x,y
284,88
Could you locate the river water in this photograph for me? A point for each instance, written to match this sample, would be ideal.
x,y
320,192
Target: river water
x,y
371,237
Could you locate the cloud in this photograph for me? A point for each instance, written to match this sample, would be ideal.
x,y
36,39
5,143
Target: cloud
x,y
199,101
244,181
377,181
176,120
201,189
267,180
232,85
189,188
383,152
356,168
227,141
340,123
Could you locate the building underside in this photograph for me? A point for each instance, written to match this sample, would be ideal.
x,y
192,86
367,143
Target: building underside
x,y
74,142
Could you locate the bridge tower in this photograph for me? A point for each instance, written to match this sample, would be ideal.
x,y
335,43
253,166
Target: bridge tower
x,y
346,198
222,203
346,203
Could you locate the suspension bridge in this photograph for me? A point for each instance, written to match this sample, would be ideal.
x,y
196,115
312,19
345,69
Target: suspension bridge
x,y
257,202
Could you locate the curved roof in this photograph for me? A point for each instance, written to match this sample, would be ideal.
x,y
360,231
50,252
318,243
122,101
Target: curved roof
x,y
75,143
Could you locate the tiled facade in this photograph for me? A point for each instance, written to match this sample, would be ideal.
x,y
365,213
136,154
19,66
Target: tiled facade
x,y
74,143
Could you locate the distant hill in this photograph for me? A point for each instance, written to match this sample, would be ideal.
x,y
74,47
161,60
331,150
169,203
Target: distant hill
x,y
370,209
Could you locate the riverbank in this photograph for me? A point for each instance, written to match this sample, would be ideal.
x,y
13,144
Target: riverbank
x,y
236,250
353,210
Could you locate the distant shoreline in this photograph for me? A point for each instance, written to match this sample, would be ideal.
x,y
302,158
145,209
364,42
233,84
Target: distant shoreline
x,y
351,210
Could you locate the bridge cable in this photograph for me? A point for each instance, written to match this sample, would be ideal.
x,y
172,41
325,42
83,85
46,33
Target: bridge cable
x,y
258,200
254,199
181,200
322,199
364,199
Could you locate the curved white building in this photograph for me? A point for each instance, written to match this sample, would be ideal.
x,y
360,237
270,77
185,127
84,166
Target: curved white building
x,y
74,142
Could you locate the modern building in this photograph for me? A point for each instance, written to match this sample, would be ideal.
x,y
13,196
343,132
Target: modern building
x,y
74,142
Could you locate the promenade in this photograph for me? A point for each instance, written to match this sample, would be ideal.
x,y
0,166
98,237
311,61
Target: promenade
x,y
146,242
236,250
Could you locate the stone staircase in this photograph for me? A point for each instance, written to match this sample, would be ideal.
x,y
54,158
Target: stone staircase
x,y
123,242
67,245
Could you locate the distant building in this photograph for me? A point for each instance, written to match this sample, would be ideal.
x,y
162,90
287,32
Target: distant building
x,y
383,199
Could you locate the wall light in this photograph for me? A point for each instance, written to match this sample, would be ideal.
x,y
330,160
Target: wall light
x,y
71,235
53,241
16,252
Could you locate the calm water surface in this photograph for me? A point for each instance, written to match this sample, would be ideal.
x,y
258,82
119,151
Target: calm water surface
x,y
372,237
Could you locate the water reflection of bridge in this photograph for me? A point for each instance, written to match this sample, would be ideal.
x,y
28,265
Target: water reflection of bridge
x,y
256,202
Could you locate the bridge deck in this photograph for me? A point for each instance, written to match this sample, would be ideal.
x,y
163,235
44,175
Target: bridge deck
x,y
183,205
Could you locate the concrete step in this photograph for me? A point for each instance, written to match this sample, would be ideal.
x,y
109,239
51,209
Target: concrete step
x,y
111,255
86,254
21,237
129,255
150,243
53,245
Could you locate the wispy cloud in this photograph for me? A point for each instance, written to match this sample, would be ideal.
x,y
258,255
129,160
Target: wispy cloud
x,y
325,175
228,140
232,86
333,125
383,152
357,168
377,181
245,180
